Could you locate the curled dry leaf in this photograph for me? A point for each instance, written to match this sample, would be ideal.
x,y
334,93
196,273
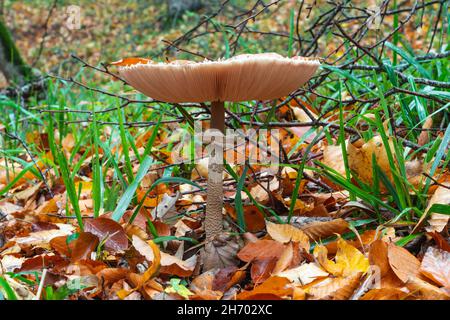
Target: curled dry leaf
x,y
340,288
424,290
274,288
167,264
104,228
403,263
348,260
436,266
323,229
109,276
151,252
384,294
285,233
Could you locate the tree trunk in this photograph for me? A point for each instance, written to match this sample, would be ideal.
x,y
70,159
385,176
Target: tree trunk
x,y
13,67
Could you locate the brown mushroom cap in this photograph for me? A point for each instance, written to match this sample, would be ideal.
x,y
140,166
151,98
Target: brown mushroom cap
x,y
244,77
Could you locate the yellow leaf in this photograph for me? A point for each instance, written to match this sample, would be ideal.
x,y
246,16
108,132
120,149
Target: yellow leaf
x,y
349,260
285,233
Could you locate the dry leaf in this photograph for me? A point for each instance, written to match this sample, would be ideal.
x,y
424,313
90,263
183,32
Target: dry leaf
x,y
261,249
323,229
285,233
274,288
403,263
349,260
304,274
436,266
44,237
378,257
104,228
384,294
334,288
83,246
437,221
425,290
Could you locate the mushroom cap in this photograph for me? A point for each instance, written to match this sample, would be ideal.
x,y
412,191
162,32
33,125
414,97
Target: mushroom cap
x,y
241,78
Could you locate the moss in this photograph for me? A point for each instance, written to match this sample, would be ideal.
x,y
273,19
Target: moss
x,y
12,54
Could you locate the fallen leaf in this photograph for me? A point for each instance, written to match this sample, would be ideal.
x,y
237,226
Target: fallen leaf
x,y
225,278
424,290
107,230
437,221
304,274
324,229
261,249
340,288
44,237
285,233
436,266
152,254
274,288
403,263
84,245
349,260
385,294
378,257
219,255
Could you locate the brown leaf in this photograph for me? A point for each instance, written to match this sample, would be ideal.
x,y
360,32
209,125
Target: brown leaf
x,y
220,253
84,245
40,262
425,290
285,259
286,233
323,229
384,294
202,286
436,266
424,135
274,288
60,245
440,241
335,288
378,256
261,249
104,228
403,263
261,269
227,277
110,275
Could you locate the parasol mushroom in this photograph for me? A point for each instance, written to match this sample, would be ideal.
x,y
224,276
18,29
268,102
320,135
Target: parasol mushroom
x,y
241,78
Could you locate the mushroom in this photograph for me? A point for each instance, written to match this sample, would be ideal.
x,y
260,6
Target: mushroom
x,y
241,78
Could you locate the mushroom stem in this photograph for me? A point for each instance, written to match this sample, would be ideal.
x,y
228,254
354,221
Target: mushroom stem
x,y
214,201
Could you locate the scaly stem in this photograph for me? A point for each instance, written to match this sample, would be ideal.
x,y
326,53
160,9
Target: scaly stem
x,y
214,201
